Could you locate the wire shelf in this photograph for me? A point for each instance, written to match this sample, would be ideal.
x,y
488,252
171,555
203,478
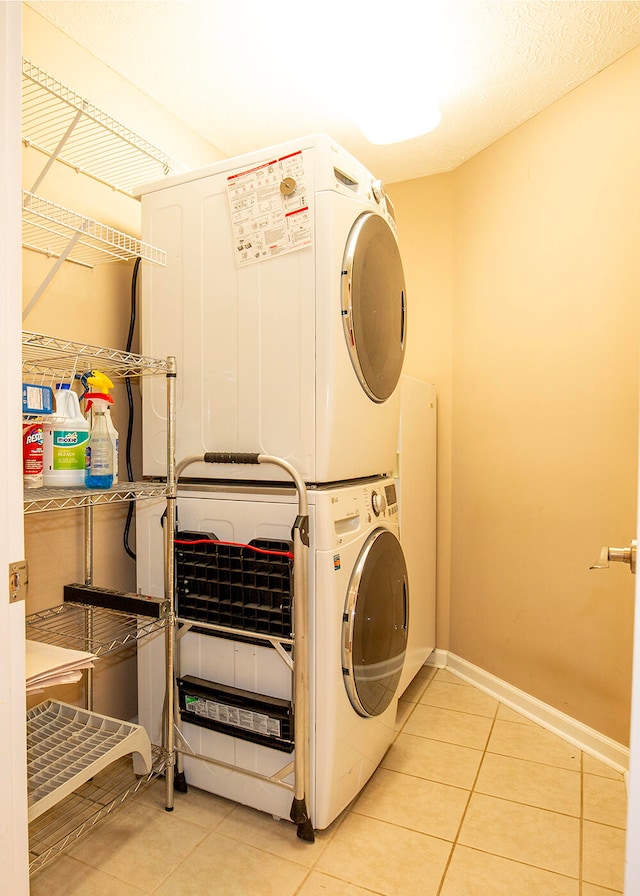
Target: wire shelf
x,y
51,356
54,831
42,499
93,143
56,231
66,626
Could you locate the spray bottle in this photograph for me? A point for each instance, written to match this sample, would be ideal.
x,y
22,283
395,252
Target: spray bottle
x,y
99,458
32,454
98,383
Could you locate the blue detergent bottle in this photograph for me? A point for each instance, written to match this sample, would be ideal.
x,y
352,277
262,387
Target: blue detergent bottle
x,y
99,460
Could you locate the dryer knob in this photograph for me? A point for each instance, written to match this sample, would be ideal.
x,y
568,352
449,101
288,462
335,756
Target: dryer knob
x,y
378,503
378,190
288,186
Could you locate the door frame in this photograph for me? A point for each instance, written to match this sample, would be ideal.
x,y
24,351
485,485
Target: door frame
x,y
13,775
632,856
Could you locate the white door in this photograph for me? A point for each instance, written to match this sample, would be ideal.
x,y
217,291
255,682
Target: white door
x,y
13,778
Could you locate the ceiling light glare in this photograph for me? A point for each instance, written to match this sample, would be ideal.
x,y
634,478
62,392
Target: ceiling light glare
x,y
397,120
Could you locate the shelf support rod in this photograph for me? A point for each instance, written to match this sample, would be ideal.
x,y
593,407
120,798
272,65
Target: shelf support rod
x,y
47,280
88,620
170,631
56,152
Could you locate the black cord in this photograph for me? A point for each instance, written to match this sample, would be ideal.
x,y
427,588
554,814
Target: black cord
x,y
132,324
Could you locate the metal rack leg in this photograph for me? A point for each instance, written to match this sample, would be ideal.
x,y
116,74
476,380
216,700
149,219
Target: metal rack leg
x,y
179,779
170,633
88,580
169,741
299,812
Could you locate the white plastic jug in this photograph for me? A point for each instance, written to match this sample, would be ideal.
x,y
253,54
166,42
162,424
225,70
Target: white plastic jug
x,y
66,436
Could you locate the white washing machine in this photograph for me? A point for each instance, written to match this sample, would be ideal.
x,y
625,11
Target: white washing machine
x,y
358,626
283,299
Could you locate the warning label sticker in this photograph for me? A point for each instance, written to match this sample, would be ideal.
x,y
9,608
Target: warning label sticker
x,y
234,715
269,209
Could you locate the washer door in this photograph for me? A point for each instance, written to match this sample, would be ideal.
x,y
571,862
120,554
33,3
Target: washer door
x,y
374,627
374,311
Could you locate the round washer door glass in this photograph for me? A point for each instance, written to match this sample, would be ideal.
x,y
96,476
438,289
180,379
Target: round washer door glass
x,y
374,311
375,624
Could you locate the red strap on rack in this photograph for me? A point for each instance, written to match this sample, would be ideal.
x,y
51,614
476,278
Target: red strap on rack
x,y
235,544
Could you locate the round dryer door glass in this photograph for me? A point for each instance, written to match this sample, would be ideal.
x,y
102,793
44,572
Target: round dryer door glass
x,y
374,311
375,624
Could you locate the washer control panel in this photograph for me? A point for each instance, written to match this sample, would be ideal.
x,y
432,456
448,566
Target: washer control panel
x,y
384,499
342,514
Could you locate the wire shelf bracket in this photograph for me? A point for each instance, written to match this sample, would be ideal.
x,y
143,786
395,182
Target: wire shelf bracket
x,y
60,233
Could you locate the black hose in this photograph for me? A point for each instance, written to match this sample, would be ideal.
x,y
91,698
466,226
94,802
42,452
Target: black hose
x,y
132,324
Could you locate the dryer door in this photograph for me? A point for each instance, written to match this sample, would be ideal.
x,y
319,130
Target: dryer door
x,y
374,310
374,628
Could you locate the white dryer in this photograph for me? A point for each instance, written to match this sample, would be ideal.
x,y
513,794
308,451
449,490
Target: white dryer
x,y
283,299
358,627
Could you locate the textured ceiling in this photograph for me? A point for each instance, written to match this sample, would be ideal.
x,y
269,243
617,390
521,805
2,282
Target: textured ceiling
x,y
251,73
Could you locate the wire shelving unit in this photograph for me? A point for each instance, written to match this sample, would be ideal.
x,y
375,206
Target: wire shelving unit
x,y
79,762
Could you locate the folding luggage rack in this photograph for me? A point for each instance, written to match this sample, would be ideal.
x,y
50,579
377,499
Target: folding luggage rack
x,y
257,591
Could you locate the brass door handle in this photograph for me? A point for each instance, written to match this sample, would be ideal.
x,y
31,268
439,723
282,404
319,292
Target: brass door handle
x,y
617,555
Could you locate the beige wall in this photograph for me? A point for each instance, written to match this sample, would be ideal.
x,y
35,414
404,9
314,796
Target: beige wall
x,y
91,305
544,391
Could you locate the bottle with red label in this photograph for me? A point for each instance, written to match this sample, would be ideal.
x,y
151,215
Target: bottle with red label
x,y
32,455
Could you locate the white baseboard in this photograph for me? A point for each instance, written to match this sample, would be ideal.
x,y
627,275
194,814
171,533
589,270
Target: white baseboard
x,y
437,658
587,739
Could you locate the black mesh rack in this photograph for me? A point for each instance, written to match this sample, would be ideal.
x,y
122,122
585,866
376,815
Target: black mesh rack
x,y
245,587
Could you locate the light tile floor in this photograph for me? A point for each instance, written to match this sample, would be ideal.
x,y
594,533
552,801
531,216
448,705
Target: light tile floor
x,y
471,799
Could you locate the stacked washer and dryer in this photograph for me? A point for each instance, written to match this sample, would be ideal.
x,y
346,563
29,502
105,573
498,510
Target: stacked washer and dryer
x,y
283,299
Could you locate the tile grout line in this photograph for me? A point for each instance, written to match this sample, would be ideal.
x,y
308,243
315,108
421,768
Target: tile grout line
x,y
486,752
413,704
466,808
303,881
